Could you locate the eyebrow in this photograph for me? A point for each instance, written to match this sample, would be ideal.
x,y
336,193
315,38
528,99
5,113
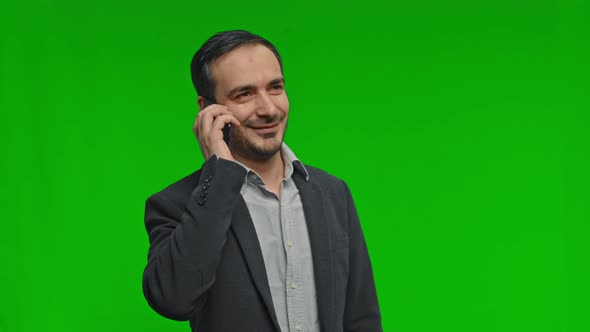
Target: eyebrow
x,y
251,87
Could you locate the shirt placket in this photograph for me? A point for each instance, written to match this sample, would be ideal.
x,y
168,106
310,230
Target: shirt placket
x,y
294,284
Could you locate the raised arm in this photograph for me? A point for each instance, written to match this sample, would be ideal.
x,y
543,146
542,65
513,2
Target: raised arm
x,y
186,239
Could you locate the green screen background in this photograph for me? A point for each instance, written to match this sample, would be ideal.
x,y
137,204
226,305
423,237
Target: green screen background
x,y
460,126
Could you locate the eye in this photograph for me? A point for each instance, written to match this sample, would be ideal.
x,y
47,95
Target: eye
x,y
243,95
277,88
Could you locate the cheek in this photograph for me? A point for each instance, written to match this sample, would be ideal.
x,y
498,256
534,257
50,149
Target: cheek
x,y
239,133
283,103
241,113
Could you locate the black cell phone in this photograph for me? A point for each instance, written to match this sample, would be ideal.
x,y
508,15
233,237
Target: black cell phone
x,y
226,133
226,129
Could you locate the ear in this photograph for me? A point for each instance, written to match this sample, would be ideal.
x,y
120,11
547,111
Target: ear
x,y
201,102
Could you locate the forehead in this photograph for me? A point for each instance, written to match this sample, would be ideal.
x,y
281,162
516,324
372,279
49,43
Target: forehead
x,y
246,65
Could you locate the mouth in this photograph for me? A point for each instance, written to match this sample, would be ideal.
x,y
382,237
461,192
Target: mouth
x,y
266,128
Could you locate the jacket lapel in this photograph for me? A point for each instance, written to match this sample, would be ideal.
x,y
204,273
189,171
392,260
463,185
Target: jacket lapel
x,y
319,238
244,230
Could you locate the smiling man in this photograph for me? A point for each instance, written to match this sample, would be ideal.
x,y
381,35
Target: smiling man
x,y
255,240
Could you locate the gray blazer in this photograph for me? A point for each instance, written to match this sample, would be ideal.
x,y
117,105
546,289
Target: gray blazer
x,y
205,263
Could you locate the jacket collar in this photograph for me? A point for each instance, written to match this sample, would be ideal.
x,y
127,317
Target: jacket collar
x,y
292,163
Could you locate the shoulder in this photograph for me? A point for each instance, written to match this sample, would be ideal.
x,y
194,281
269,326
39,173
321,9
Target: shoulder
x,y
321,175
179,191
326,180
225,173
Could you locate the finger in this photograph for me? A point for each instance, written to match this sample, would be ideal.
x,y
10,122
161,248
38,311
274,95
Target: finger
x,y
205,118
214,108
211,112
222,120
207,122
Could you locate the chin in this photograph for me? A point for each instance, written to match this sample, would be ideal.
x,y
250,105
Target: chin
x,y
257,147
266,149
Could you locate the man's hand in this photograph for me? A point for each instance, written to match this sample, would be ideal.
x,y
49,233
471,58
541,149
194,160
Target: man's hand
x,y
208,130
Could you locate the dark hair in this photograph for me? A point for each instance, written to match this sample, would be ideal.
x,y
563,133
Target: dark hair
x,y
216,46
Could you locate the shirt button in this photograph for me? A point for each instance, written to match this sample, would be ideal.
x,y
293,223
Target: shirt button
x,y
290,243
282,204
297,327
293,285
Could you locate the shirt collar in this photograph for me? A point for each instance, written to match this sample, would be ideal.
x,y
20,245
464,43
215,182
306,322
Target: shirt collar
x,y
292,163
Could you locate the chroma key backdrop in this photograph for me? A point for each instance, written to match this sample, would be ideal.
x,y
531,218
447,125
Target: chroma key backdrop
x,y
462,128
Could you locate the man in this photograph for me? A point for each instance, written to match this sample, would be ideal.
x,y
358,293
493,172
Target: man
x,y
255,240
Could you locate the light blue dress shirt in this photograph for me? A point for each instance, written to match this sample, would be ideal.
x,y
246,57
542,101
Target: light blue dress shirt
x,y
282,233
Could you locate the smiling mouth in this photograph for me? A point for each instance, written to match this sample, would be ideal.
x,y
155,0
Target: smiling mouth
x,y
266,128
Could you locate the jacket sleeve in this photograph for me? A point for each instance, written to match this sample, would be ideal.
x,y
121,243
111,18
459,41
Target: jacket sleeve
x,y
361,312
186,242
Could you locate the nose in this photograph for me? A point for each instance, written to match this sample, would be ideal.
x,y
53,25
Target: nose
x,y
266,106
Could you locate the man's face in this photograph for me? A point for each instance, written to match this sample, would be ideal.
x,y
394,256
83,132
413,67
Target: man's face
x,y
248,80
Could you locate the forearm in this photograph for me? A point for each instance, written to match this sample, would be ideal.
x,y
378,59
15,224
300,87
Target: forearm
x,y
186,243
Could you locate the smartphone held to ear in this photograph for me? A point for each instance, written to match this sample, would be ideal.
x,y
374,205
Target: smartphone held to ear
x,y
226,133
226,129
